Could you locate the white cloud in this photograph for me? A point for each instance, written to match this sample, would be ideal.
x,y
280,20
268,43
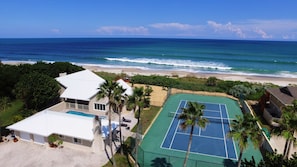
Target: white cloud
x,y
176,29
55,30
262,33
140,30
177,26
289,37
274,25
229,27
274,29
245,29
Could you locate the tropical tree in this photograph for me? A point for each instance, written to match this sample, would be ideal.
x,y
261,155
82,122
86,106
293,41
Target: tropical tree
x,y
288,126
148,90
243,129
147,93
272,159
136,101
107,89
38,91
192,116
120,101
4,103
211,81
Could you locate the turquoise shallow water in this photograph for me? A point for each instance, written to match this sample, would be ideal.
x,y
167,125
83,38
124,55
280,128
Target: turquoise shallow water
x,y
265,58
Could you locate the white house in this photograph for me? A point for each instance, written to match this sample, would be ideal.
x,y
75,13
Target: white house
x,y
78,93
41,125
80,89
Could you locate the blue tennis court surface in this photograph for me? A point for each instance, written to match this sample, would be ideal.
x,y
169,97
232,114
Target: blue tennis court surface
x,y
212,140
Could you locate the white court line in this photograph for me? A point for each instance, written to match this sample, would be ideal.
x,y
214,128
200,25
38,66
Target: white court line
x,y
232,138
172,123
225,143
175,131
174,134
198,153
199,135
210,137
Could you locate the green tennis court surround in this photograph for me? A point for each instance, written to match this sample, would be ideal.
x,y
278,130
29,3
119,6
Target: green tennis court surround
x,y
152,149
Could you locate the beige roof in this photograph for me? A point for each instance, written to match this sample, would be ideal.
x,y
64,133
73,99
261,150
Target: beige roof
x,y
285,94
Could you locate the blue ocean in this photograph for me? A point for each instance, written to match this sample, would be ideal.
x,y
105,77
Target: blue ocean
x,y
262,58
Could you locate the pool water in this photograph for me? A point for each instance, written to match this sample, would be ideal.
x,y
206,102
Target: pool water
x,y
84,114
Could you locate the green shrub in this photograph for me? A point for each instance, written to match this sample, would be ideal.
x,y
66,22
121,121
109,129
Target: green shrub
x,y
212,84
54,140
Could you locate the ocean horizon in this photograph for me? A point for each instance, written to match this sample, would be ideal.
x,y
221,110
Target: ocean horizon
x,y
258,58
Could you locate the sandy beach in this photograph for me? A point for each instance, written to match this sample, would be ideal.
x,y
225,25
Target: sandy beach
x,y
281,81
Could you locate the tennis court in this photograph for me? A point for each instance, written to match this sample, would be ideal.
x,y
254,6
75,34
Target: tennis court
x,y
212,140
166,144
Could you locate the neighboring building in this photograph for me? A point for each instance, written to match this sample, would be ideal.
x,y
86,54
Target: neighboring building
x,y
78,93
275,99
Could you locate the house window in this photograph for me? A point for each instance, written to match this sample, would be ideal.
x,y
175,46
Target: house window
x,y
83,106
71,105
100,107
76,141
86,107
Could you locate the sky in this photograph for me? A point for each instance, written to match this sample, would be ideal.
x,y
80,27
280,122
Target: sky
x,y
201,19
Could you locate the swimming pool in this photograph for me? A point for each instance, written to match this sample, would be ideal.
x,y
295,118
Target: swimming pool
x,y
84,114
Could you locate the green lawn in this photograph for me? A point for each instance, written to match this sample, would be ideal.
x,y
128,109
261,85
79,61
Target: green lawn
x,y
147,116
7,116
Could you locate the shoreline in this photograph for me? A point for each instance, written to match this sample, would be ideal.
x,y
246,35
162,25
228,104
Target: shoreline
x,y
281,81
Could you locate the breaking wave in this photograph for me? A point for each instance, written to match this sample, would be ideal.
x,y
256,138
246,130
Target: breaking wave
x,y
175,63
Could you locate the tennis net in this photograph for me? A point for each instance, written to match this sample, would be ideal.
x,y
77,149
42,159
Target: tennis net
x,y
210,119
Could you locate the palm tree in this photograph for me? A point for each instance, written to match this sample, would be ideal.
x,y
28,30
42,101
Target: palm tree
x,y
120,100
107,89
288,125
136,101
242,129
192,116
